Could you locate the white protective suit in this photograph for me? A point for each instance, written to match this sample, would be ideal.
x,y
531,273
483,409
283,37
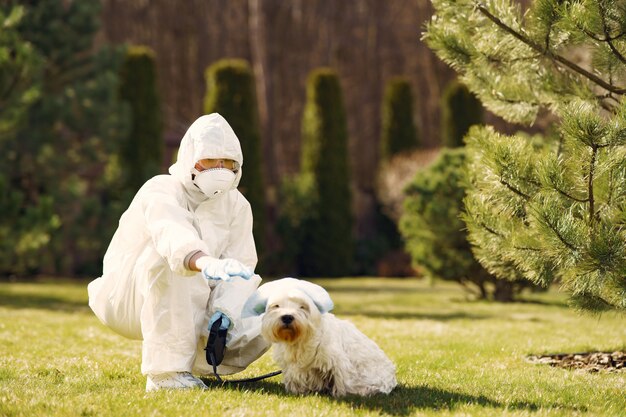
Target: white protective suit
x,y
146,292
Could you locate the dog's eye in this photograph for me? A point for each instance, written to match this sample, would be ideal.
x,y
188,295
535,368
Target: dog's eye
x,y
274,306
304,307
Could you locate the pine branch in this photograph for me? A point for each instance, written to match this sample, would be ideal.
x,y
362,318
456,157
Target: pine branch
x,y
616,52
609,198
616,37
606,106
563,193
558,234
547,40
515,190
607,35
595,37
511,101
592,165
490,230
528,249
495,59
558,58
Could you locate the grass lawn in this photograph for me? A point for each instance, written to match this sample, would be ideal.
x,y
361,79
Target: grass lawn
x,y
454,357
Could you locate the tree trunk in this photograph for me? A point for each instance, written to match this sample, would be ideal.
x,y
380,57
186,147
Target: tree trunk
x,y
504,291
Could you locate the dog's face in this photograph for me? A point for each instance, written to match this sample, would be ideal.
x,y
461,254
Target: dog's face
x,y
290,317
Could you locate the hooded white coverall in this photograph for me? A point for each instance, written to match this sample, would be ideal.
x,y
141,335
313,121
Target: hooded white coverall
x,y
146,292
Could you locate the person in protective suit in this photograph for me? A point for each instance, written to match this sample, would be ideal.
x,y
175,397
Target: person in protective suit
x,y
182,257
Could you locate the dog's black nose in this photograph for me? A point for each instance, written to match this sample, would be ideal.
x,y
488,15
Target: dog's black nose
x,y
287,318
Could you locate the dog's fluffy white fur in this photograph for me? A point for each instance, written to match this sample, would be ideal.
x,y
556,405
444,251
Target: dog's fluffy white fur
x,y
319,352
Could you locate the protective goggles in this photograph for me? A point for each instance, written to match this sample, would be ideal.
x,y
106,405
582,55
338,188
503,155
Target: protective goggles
x,y
217,163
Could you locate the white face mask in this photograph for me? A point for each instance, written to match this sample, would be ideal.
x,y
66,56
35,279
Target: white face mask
x,y
215,181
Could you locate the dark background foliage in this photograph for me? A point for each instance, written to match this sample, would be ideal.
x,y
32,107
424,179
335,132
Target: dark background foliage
x,y
90,111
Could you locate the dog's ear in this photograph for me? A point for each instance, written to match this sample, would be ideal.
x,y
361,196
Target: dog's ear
x,y
257,303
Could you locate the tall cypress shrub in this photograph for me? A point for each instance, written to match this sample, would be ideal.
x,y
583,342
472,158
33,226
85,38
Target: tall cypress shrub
x,y
141,155
231,93
398,134
329,249
398,128
460,110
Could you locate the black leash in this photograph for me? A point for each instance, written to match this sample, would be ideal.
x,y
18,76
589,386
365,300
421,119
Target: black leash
x,y
215,346
236,381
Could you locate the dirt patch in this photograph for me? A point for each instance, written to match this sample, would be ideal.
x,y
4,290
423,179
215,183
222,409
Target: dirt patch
x,y
588,361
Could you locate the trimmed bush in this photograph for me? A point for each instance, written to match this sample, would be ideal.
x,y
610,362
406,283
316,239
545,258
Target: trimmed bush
x,y
231,93
398,128
435,234
141,155
460,110
328,249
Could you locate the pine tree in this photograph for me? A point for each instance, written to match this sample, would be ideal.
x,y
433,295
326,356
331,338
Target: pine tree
x,y
231,93
328,250
141,154
398,128
54,169
20,71
549,209
460,110
24,229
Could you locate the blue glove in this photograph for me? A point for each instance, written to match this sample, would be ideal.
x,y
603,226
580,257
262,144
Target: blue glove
x,y
225,320
223,269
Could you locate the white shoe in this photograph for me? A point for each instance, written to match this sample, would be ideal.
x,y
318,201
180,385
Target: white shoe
x,y
173,380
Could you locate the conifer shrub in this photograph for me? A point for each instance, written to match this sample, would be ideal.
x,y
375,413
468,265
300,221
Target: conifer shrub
x,y
460,110
231,93
328,249
435,234
141,155
398,128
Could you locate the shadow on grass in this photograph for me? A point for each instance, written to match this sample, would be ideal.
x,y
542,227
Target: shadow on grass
x,y
402,401
415,316
11,299
545,303
380,289
274,387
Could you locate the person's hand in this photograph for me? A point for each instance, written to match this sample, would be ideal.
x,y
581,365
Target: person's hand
x,y
223,269
225,320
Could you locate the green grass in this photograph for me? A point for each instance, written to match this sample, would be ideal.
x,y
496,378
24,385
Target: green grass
x,y
454,357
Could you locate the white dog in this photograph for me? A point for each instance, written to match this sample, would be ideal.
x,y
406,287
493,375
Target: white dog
x,y
317,351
